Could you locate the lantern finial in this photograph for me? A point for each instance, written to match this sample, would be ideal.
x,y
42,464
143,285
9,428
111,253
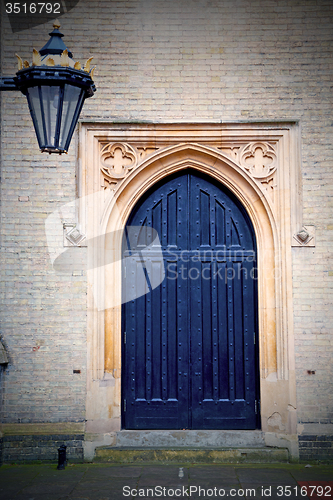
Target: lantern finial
x,y
56,24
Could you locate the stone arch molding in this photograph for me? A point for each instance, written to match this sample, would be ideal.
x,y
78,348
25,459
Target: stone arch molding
x,y
118,164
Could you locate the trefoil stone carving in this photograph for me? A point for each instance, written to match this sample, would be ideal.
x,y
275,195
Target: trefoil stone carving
x,y
231,151
145,151
259,160
117,159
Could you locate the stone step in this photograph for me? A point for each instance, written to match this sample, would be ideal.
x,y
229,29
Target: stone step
x,y
190,446
189,439
119,455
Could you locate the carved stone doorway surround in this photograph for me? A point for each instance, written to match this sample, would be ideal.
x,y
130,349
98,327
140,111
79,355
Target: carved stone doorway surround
x,y
260,164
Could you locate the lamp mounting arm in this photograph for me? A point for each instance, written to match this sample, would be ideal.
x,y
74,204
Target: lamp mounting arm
x,y
7,83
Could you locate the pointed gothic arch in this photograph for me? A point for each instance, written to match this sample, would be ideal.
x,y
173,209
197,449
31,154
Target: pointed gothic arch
x,y
151,165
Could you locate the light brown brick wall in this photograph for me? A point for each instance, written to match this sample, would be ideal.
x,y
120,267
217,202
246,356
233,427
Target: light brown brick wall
x,y
174,61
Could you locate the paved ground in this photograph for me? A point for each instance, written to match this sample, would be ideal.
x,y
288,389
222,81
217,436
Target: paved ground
x,y
113,482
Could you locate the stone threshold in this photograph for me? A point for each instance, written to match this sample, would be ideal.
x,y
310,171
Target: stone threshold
x,y
109,454
189,439
189,446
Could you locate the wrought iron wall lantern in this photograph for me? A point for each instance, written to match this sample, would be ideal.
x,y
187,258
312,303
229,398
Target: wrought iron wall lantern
x,y
55,88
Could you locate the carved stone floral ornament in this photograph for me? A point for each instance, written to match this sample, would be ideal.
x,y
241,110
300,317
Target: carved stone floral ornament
x,y
117,159
259,160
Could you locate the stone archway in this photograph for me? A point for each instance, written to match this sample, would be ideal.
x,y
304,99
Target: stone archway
x,y
252,162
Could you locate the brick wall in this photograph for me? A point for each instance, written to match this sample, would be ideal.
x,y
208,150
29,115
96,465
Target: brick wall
x,y
184,60
32,448
316,448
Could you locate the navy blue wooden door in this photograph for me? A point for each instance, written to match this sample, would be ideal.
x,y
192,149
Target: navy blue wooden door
x,y
190,356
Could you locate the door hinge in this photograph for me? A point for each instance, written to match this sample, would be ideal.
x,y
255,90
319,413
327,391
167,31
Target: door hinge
x,y
124,337
124,271
254,338
124,404
256,406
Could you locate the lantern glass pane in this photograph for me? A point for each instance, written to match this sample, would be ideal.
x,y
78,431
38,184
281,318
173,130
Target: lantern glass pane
x,y
36,114
50,96
71,98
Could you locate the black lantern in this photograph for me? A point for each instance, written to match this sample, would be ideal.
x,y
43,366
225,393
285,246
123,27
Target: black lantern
x,y
56,88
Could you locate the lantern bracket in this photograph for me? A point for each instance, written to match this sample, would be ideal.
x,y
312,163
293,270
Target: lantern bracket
x,y
7,83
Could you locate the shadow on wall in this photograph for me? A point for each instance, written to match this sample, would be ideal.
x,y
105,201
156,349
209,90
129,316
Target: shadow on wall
x,y
31,14
3,356
3,364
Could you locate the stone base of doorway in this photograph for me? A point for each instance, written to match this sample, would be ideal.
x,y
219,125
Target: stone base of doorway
x,y
190,447
190,456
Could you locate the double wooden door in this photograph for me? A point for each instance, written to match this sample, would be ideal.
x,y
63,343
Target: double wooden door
x,y
189,313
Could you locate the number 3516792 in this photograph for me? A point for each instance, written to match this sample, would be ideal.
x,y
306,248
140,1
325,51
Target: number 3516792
x,y
32,8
